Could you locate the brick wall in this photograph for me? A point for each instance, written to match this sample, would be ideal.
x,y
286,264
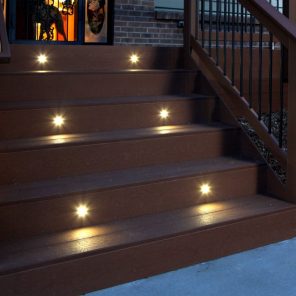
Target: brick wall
x,y
136,22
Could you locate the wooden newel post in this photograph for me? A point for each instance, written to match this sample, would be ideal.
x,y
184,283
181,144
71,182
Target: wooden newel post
x,y
291,162
190,24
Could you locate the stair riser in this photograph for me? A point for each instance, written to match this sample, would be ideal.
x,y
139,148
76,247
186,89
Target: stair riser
x,y
46,86
100,271
82,57
33,165
86,119
57,214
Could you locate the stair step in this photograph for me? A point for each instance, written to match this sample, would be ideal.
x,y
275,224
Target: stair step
x,y
60,258
106,237
146,190
61,155
115,179
33,118
93,84
61,140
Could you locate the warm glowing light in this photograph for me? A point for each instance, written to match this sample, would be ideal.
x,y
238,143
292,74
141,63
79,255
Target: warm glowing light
x,y
42,58
58,120
163,130
87,232
134,58
83,233
58,139
210,208
164,114
205,189
82,211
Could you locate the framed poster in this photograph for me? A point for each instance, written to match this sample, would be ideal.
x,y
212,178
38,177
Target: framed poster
x,y
97,21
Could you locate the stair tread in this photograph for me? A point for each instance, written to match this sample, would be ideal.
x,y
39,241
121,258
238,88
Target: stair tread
x,y
23,105
60,140
114,179
58,247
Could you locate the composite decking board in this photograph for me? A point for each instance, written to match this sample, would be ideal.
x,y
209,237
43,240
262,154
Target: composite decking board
x,y
130,223
111,240
56,141
91,273
116,179
25,105
138,231
116,84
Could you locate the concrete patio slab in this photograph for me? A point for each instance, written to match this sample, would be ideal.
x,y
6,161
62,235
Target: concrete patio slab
x,y
265,271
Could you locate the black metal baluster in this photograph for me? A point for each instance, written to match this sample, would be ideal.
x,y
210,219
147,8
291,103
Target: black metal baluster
x,y
210,26
218,9
246,21
219,14
225,37
281,127
260,72
237,16
229,14
241,75
202,21
270,87
252,21
233,44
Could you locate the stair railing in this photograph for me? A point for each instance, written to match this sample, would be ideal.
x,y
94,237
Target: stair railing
x,y
241,47
4,44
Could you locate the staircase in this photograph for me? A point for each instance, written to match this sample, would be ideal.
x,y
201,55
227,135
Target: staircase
x,y
155,193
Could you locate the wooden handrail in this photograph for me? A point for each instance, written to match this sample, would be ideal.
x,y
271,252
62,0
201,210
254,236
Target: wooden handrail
x,y
274,21
231,97
4,44
285,31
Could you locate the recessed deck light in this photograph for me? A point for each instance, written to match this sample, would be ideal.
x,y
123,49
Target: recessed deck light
x,y
42,58
134,58
164,114
205,189
82,211
58,120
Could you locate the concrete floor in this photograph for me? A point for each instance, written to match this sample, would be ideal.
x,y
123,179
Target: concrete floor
x,y
266,271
